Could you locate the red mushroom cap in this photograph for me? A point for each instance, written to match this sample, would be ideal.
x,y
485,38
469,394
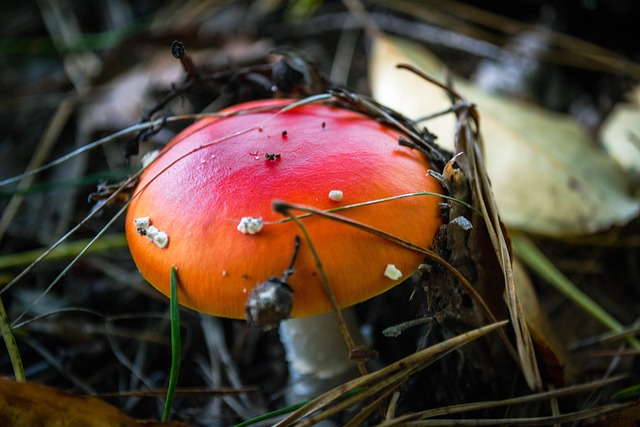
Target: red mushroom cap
x,y
220,170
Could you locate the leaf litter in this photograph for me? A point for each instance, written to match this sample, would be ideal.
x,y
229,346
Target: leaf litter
x,y
253,340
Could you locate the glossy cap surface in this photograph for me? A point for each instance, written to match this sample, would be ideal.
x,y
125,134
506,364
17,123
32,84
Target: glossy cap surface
x,y
220,170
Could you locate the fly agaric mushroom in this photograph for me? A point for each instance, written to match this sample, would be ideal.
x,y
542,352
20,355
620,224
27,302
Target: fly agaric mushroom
x,y
211,191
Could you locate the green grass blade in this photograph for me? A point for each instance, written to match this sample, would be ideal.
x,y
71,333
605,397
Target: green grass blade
x,y
529,253
628,393
47,186
64,250
175,345
12,347
272,414
291,408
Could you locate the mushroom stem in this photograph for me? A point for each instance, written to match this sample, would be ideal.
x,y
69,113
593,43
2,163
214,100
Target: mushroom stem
x,y
317,355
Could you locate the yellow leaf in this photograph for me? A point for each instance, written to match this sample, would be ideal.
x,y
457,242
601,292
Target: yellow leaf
x,y
621,136
547,177
25,404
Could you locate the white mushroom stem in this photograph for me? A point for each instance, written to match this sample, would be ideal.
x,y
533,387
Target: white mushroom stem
x,y
317,354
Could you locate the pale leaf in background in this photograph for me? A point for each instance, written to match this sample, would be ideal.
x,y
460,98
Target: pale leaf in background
x,y
547,177
621,137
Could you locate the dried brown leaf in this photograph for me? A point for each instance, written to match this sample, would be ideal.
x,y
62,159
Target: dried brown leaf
x,y
550,349
26,404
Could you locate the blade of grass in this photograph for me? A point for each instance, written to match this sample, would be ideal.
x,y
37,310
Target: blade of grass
x,y
63,251
175,345
31,171
590,415
382,200
628,393
288,409
91,179
271,415
10,342
465,408
538,262
42,151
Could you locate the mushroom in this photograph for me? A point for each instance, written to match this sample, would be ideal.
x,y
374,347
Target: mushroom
x,y
211,192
